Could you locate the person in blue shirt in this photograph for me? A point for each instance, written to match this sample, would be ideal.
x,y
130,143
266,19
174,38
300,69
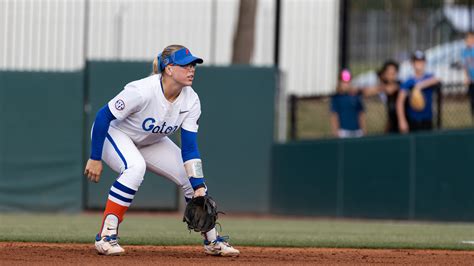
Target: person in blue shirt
x,y
421,82
347,110
467,56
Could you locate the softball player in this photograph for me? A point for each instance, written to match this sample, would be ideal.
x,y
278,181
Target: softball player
x,y
130,134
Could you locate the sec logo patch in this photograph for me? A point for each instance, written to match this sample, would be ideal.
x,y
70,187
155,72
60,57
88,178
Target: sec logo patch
x,y
119,105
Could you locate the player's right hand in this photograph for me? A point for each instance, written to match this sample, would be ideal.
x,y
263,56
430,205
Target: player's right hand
x,y
93,170
199,192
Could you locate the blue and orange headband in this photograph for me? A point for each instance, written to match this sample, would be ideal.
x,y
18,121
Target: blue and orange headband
x,y
179,57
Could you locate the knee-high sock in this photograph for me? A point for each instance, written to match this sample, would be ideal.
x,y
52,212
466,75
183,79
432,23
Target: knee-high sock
x,y
120,198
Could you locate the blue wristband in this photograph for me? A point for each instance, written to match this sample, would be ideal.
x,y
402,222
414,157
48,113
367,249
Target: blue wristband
x,y
196,182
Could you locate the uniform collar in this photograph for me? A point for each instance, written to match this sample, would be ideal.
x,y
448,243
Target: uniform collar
x,y
162,93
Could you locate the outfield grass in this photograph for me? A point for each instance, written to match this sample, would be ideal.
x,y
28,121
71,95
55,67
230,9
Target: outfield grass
x,y
169,230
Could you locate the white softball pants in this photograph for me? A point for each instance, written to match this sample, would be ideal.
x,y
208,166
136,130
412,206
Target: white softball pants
x,y
162,158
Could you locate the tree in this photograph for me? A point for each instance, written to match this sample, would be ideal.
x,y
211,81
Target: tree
x,y
244,34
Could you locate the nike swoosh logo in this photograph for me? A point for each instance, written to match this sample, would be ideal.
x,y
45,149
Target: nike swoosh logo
x,y
108,228
182,112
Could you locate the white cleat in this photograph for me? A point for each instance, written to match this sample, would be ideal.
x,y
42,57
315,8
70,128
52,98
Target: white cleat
x,y
108,245
220,247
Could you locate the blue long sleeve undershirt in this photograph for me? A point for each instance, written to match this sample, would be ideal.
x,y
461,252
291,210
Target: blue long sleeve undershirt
x,y
189,150
99,131
189,147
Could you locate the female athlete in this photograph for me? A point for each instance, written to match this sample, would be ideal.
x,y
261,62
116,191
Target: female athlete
x,y
130,134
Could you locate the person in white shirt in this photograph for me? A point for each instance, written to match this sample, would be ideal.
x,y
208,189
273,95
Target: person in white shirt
x,y
130,134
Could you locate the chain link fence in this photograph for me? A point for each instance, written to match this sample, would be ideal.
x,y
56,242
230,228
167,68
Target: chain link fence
x,y
310,116
378,30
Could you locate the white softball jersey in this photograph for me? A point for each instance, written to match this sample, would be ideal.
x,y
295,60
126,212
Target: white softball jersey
x,y
138,139
144,114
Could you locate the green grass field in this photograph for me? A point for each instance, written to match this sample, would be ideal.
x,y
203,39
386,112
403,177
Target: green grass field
x,y
148,229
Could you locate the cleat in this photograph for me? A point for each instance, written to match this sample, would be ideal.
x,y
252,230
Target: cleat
x,y
220,247
108,245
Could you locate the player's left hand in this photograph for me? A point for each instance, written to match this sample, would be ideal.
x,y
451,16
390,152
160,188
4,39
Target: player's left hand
x,y
201,214
93,170
199,192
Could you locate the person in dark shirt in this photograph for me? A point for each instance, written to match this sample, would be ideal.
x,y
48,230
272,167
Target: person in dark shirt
x,y
421,82
347,110
389,86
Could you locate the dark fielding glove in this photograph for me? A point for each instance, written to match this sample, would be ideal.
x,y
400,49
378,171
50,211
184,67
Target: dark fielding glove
x,y
201,214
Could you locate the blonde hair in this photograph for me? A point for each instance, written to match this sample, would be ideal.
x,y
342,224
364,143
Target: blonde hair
x,y
166,52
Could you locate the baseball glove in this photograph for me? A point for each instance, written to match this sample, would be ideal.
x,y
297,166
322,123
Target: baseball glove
x,y
417,101
201,214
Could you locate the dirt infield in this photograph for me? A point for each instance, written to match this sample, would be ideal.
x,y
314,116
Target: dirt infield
x,y
15,253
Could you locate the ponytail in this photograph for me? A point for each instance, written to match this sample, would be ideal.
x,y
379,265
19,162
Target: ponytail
x,y
156,68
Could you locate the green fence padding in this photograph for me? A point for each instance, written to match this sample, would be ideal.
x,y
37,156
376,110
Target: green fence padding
x,y
107,79
41,138
418,176
312,188
40,141
376,177
236,134
444,176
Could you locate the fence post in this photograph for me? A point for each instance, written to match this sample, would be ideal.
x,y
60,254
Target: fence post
x,y
439,103
293,117
276,51
344,34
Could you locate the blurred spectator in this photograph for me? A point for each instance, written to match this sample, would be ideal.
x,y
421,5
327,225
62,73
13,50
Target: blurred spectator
x,y
347,111
467,56
389,85
418,90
